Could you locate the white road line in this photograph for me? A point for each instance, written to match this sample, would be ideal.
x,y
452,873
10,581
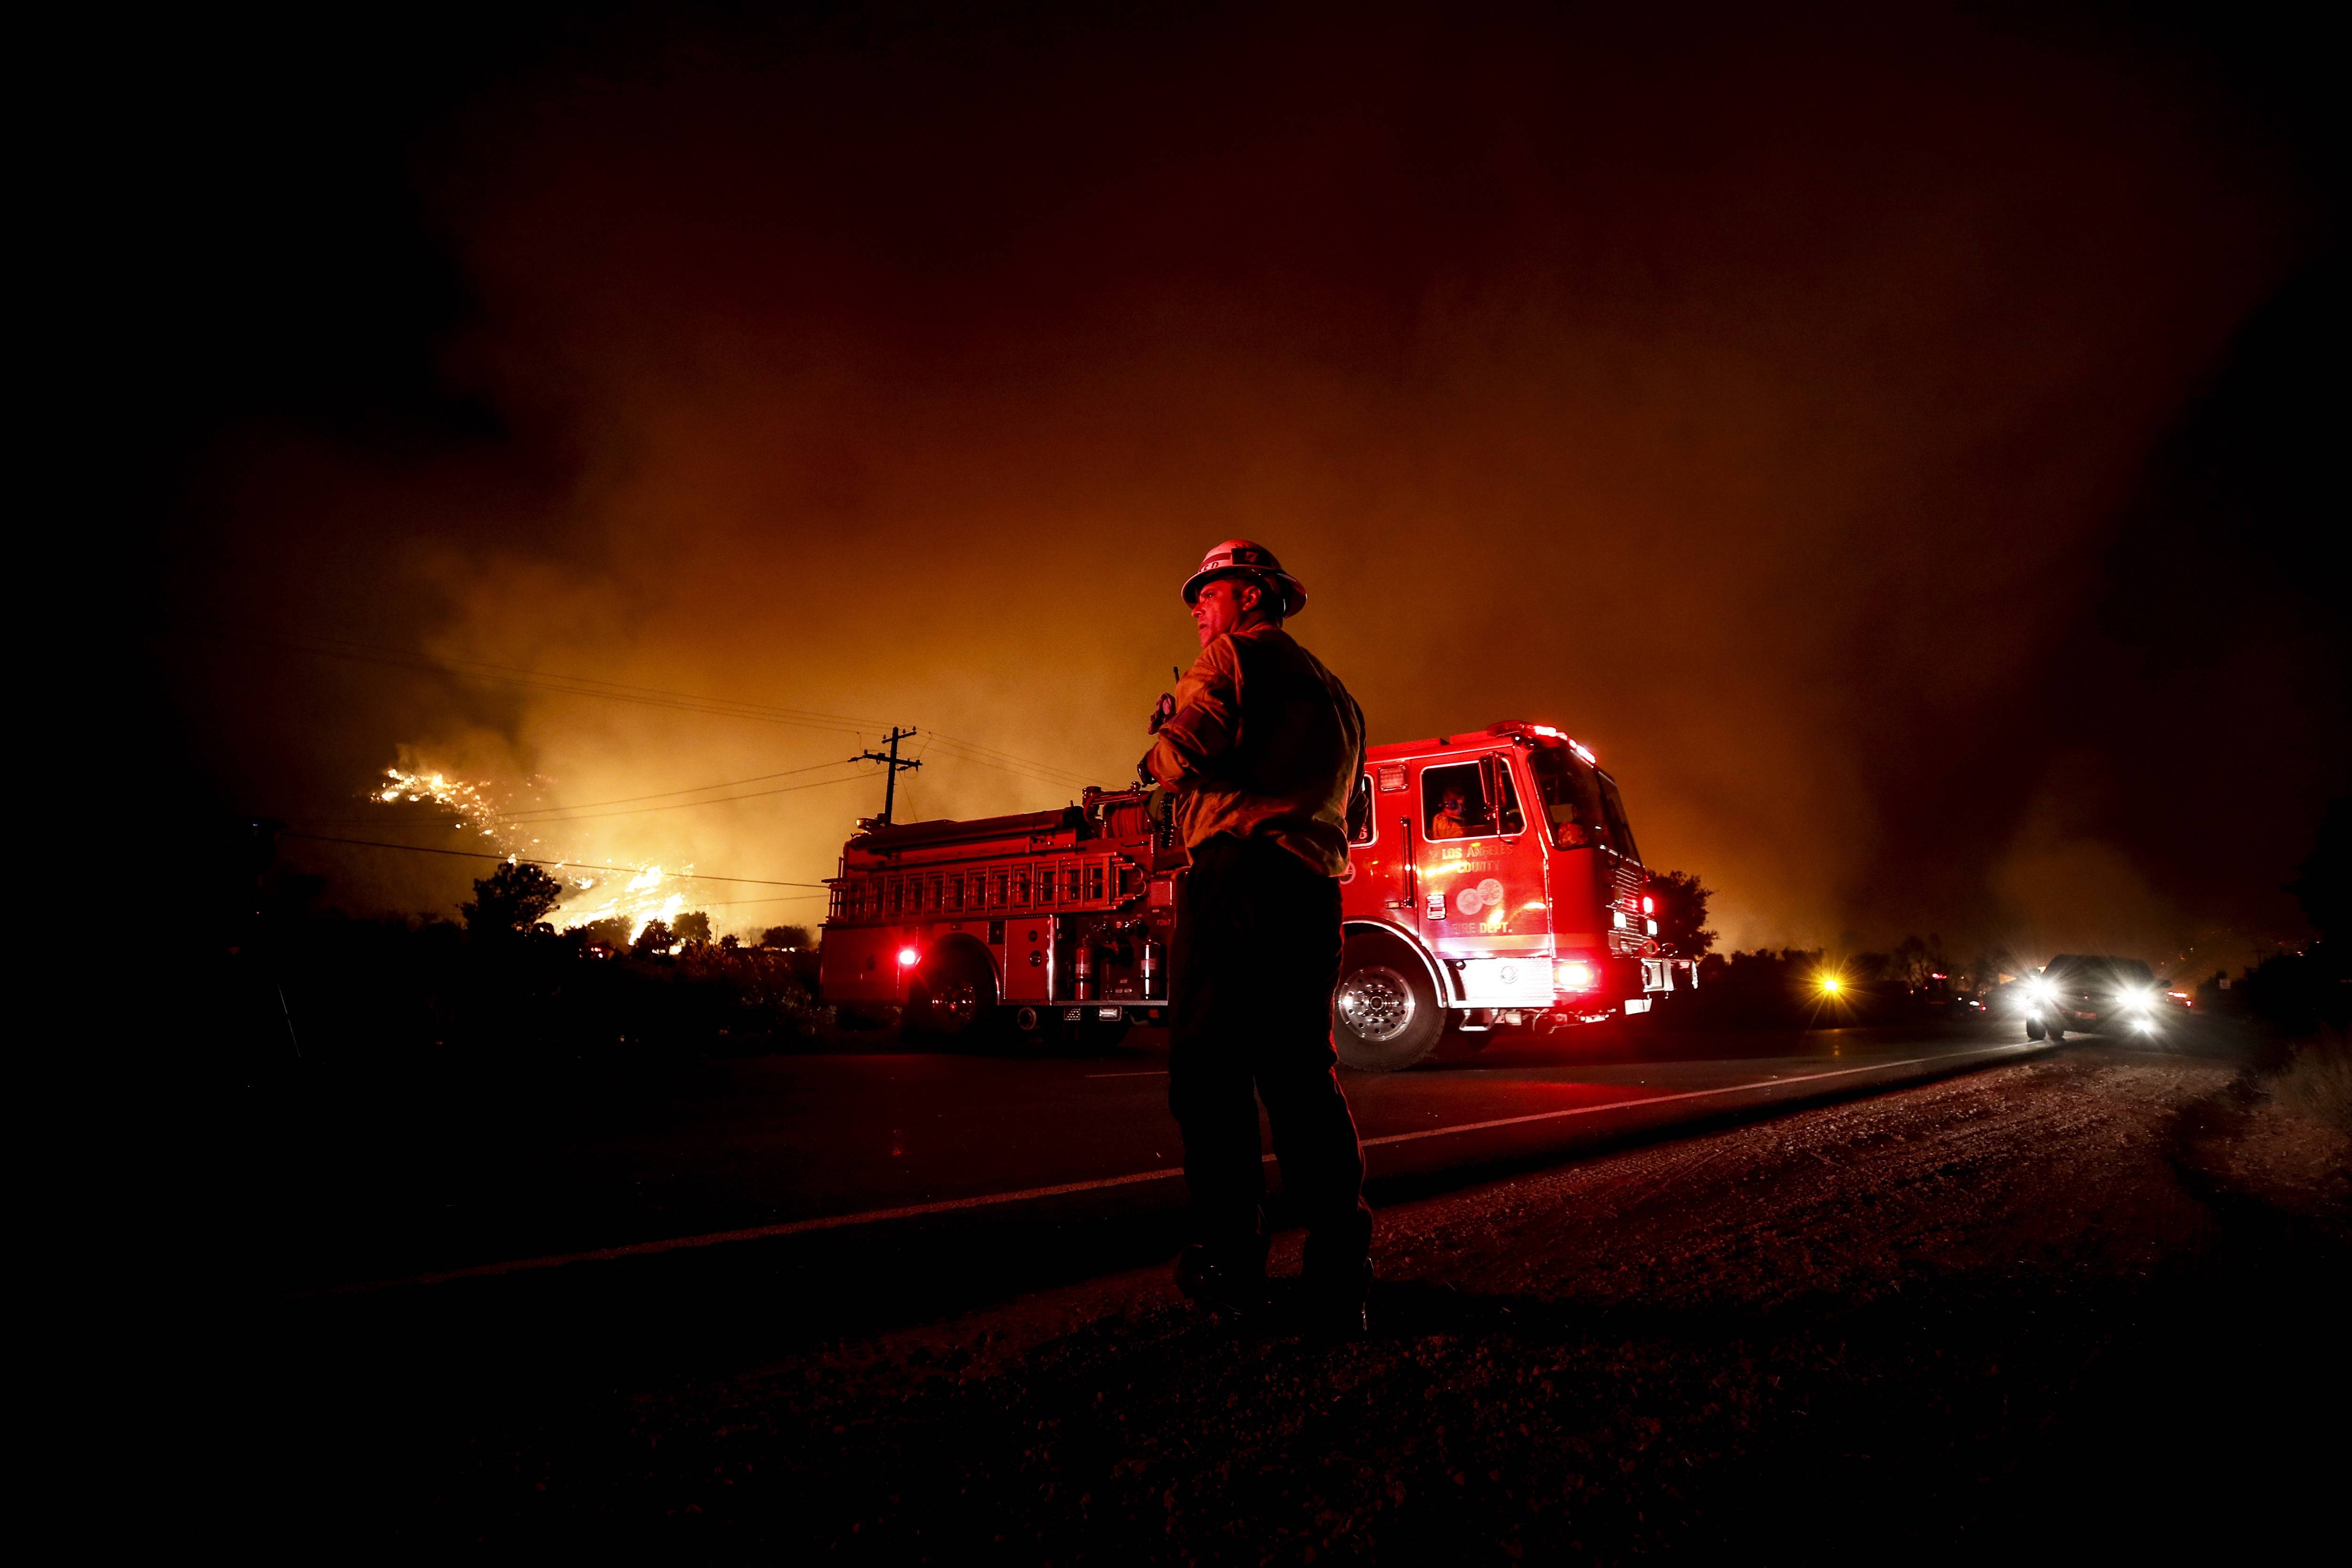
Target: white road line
x,y
762,1232
1688,1094
988,1200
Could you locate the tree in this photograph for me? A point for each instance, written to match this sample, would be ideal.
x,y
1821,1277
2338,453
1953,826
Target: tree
x,y
1914,962
787,937
1682,913
655,938
611,933
514,898
692,926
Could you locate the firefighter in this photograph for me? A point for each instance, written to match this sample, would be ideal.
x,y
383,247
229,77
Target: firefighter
x,y
1453,819
1261,753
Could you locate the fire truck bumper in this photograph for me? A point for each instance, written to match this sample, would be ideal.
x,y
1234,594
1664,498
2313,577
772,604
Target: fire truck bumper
x,y
1512,983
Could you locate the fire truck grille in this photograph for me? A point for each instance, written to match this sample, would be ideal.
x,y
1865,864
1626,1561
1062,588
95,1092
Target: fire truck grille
x,y
1625,933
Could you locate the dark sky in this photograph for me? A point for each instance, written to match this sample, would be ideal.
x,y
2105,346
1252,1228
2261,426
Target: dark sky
x,y
1895,445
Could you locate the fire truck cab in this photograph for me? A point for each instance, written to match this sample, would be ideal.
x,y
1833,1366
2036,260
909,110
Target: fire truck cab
x,y
1498,882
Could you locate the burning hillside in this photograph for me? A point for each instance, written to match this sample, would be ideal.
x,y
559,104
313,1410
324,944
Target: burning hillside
x,y
503,816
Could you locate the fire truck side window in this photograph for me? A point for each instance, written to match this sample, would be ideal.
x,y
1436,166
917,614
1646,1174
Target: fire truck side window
x,y
1453,801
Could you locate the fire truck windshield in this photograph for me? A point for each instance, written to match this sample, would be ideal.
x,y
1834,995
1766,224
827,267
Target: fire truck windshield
x,y
1571,795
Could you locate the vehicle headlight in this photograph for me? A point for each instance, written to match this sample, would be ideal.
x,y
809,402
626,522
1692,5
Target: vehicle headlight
x,y
2137,1000
2038,989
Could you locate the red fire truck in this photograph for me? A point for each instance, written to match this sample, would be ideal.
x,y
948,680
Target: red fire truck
x,y
1497,883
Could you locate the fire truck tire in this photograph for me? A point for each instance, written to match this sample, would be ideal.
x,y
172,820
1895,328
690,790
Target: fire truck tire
x,y
953,997
1384,1012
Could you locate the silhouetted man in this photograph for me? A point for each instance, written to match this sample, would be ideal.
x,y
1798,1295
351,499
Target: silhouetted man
x,y
1262,750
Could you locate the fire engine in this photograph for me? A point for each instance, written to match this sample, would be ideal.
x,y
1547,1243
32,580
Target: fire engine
x,y
1497,883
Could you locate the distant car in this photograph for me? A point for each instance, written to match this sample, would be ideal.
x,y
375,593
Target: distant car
x,y
1937,995
2086,993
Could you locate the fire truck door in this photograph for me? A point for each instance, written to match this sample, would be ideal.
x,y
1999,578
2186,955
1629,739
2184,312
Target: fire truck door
x,y
1480,881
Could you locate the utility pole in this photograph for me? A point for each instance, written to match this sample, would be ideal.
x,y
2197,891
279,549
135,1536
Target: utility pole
x,y
890,785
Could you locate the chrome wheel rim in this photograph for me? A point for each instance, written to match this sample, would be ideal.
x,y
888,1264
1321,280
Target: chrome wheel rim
x,y
1376,1003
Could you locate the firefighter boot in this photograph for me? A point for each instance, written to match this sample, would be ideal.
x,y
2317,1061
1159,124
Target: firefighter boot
x,y
1226,1286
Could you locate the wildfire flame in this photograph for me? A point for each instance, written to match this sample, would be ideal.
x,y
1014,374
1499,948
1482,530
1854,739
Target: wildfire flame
x,y
649,894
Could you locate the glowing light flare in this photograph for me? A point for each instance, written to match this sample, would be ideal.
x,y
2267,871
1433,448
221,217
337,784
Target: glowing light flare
x,y
1574,974
908,958
1831,984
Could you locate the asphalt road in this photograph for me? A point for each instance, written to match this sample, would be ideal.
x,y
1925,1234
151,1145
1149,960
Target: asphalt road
x,y
1949,1301
1072,1158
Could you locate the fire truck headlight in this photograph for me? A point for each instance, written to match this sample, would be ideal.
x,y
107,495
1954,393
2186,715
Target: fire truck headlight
x,y
1574,974
908,958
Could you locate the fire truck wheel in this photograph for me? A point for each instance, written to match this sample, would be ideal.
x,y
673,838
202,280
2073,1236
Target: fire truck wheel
x,y
952,998
1384,1012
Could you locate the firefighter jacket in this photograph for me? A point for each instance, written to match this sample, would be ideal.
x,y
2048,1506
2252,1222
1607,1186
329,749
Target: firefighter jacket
x,y
1265,742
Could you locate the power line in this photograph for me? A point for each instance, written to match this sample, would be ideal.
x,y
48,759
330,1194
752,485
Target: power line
x,y
664,793
526,860
982,756
531,680
778,899
680,805
617,691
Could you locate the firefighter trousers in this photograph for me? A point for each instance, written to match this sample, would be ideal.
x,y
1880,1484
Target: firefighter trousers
x,y
1256,956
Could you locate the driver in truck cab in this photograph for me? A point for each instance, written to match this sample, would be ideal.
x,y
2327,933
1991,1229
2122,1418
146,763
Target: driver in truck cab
x,y
1261,753
1453,819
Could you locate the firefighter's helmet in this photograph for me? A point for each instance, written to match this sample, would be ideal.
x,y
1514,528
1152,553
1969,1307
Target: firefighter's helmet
x,y
1241,558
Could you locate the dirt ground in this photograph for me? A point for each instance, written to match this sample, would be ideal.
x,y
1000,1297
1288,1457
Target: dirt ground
x,y
2093,1299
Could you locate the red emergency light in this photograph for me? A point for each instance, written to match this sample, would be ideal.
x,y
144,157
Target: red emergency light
x,y
908,958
